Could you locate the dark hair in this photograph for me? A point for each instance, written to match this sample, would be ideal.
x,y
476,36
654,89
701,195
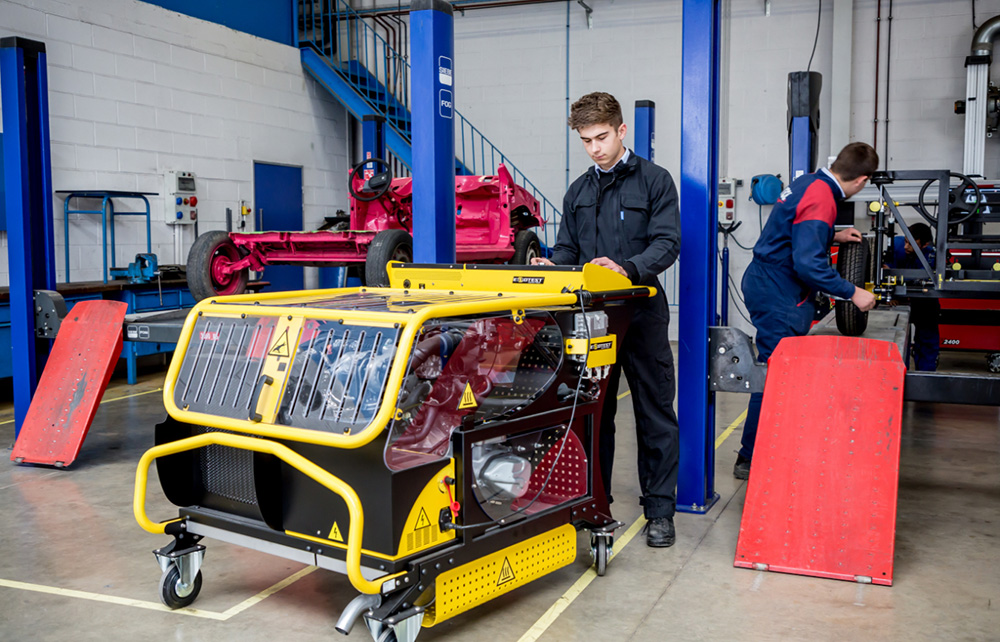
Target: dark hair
x,y
857,159
921,233
598,108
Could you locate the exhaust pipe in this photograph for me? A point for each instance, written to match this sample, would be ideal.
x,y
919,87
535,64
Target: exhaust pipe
x,y
359,605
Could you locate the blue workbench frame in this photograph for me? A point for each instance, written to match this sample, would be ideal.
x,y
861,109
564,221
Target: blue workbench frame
x,y
107,212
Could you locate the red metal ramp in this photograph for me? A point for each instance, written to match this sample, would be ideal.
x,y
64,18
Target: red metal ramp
x,y
821,499
79,367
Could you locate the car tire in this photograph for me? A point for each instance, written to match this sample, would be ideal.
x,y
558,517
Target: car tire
x,y
388,245
854,264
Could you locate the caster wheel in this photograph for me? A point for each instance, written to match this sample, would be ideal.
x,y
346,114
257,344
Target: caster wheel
x,y
601,552
175,595
993,361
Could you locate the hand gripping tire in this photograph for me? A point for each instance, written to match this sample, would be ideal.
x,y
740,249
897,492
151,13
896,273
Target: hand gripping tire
x,y
854,264
388,245
211,252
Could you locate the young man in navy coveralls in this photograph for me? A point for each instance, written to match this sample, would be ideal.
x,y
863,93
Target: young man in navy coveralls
x,y
790,265
622,214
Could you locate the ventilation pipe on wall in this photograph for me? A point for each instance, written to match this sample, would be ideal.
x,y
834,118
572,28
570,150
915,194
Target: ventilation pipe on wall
x,y
977,100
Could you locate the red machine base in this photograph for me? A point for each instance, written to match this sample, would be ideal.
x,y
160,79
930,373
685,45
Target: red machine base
x,y
821,499
78,370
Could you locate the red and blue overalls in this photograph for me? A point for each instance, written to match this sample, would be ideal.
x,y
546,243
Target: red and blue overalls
x,y
790,265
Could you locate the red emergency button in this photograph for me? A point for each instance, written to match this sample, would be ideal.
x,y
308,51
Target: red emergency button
x,y
729,202
193,200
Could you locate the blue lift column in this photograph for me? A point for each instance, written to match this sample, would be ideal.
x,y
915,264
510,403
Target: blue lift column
x,y
432,90
28,190
645,129
699,229
803,122
372,140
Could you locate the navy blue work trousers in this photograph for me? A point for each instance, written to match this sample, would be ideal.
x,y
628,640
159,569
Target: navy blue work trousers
x,y
646,357
778,308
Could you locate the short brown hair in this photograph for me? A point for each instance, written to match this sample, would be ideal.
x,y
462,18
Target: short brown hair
x,y
857,159
598,108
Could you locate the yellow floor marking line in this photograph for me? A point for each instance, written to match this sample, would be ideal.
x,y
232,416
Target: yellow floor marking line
x,y
729,431
103,401
247,603
624,394
550,616
109,599
156,606
543,623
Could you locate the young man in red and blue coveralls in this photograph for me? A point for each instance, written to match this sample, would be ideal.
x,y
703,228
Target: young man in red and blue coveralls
x,y
790,265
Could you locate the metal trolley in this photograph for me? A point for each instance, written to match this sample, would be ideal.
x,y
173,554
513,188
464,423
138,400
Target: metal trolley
x,y
436,441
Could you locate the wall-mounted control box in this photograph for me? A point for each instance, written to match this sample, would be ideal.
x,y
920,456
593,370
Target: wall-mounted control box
x,y
181,200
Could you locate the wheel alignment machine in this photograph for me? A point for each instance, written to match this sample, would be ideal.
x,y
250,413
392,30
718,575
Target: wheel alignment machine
x,y
436,441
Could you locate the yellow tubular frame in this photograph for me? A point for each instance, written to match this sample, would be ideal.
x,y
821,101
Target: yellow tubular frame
x,y
288,456
410,323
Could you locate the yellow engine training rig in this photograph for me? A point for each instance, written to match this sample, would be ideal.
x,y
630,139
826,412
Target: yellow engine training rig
x,y
436,441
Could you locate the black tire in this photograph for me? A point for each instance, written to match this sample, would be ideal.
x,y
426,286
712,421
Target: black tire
x,y
526,247
601,556
208,252
388,245
168,589
854,264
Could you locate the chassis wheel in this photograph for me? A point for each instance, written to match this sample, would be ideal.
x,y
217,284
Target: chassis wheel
x,y
853,263
993,361
600,549
210,253
526,247
388,245
173,594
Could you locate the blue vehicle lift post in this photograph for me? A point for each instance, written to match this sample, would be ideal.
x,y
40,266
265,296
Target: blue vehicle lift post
x,y
28,190
432,88
699,229
645,129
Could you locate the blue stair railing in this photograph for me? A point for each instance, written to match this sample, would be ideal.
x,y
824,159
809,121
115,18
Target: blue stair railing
x,y
380,74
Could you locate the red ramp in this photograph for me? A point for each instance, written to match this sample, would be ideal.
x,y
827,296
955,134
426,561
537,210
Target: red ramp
x,y
821,498
76,374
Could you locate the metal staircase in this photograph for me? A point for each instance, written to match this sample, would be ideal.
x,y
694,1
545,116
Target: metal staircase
x,y
369,75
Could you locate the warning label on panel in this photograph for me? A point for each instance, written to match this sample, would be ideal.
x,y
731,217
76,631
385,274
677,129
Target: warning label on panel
x,y
280,347
506,573
335,533
422,520
468,399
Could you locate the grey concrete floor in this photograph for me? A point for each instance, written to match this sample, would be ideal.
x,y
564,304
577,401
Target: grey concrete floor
x,y
75,565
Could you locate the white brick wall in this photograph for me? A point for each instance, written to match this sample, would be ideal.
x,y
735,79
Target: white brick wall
x,y
511,82
135,90
164,91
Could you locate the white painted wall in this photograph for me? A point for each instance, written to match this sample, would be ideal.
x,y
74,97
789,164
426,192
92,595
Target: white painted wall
x,y
511,82
135,90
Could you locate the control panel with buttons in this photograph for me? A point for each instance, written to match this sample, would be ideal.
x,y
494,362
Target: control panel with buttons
x,y
181,200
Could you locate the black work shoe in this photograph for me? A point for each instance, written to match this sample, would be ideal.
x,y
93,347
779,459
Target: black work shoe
x,y
741,469
660,532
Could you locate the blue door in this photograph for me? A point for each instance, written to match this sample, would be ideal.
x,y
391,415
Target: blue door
x,y
277,195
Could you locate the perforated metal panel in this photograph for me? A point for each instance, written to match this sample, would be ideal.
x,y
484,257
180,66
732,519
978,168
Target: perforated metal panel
x,y
225,471
469,585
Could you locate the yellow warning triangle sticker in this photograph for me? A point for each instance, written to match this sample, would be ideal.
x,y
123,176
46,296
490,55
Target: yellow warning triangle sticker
x,y
335,533
468,399
280,347
422,521
506,573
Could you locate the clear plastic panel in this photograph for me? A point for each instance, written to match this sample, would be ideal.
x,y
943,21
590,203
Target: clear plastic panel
x,y
483,368
337,376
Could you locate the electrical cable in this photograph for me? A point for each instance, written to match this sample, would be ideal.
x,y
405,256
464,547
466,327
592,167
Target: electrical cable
x,y
734,292
819,16
974,15
569,429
